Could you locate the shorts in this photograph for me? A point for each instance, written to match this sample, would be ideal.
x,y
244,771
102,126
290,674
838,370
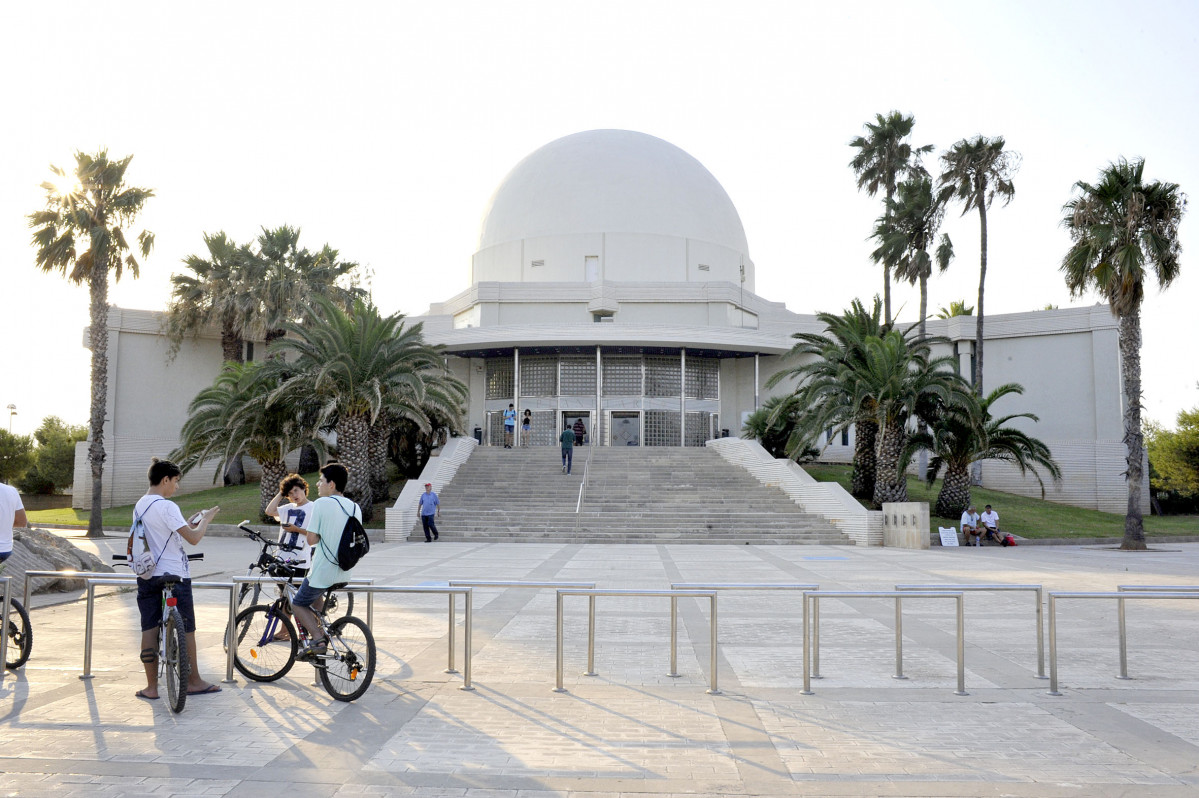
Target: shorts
x,y
4,555
149,602
307,594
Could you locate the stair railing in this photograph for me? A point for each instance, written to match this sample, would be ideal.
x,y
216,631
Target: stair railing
x,y
583,488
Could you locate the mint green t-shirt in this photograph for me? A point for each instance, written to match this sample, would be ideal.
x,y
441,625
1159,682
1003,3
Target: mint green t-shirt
x,y
329,515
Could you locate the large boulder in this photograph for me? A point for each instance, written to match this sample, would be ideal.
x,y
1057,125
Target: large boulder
x,y
39,550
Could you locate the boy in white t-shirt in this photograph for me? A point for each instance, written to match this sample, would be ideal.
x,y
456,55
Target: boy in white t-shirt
x,y
989,521
12,514
294,513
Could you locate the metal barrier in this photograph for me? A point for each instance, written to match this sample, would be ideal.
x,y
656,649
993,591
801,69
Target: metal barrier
x,y
709,594
1123,627
1120,597
674,604
30,576
370,590
814,597
1038,589
5,586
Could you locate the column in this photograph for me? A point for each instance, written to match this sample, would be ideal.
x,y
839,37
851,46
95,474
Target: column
x,y
683,397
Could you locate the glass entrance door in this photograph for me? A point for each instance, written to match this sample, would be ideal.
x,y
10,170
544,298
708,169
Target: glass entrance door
x,y
580,422
625,429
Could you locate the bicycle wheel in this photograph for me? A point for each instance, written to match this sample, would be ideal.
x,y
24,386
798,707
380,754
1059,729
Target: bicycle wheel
x,y
175,663
242,592
348,667
338,604
259,655
20,636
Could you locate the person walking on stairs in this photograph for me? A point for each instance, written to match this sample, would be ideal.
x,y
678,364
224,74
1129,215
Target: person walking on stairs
x,y
430,507
567,439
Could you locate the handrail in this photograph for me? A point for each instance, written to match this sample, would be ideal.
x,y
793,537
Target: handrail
x,y
5,586
1123,628
30,576
592,593
583,486
813,597
1121,597
1038,589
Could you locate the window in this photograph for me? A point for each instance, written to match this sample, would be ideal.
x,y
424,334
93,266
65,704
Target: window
x,y
539,376
576,376
622,375
703,377
661,375
500,378
249,351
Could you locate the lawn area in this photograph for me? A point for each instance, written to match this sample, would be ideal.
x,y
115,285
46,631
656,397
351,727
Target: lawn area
x,y
1030,518
237,502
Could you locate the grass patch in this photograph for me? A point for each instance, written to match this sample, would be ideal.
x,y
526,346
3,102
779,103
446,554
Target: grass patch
x,y
238,502
1029,518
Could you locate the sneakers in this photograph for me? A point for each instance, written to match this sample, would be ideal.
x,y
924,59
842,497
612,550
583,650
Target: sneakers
x,y
563,469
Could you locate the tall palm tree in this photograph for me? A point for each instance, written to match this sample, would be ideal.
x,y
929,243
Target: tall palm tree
x,y
884,157
1125,230
358,365
81,234
234,415
906,234
975,171
217,291
963,432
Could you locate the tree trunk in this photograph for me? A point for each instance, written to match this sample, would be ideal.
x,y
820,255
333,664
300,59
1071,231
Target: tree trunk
x,y
921,427
865,462
353,446
886,264
890,485
98,286
377,446
976,475
1130,373
309,460
232,346
235,471
273,472
954,497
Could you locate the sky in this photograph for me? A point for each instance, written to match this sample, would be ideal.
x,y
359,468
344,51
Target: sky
x,y
382,129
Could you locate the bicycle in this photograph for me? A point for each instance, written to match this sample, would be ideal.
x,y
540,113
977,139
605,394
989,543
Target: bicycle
x,y
19,631
174,667
263,655
337,604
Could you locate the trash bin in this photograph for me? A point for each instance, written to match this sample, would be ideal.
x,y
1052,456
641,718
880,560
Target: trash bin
x,y
724,433
479,435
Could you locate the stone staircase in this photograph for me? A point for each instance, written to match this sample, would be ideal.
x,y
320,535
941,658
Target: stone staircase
x,y
632,495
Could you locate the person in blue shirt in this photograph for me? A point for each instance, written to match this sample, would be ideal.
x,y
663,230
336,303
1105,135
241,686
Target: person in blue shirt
x,y
509,425
430,506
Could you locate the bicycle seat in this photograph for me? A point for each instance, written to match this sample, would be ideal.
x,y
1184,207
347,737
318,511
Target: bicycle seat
x,y
337,586
170,579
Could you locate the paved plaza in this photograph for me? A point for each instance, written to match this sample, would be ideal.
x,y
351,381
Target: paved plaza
x,y
631,729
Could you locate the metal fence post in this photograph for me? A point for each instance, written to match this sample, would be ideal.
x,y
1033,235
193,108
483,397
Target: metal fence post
x,y
87,631
559,688
674,636
1123,635
1040,634
816,638
466,642
715,689
898,639
5,587
1053,645
450,667
961,646
590,637
807,675
231,632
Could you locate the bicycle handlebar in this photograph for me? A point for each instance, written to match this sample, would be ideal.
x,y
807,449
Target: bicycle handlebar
x,y
254,534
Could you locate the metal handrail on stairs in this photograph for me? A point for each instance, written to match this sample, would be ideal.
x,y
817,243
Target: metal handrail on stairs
x,y
583,487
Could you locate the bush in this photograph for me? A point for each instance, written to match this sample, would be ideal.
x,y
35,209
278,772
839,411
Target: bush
x,y
53,468
16,455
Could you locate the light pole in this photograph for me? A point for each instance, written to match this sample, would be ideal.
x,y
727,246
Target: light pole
x,y
12,411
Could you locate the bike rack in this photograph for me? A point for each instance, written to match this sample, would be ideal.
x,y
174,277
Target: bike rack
x,y
1038,589
30,576
591,592
5,586
674,604
1120,597
813,597
1123,627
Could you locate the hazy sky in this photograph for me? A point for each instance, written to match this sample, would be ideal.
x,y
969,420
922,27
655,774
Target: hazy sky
x,y
382,128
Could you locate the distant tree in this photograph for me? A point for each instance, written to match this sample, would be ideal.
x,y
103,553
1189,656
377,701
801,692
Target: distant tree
x,y
53,469
975,171
16,455
218,290
1174,455
774,425
81,234
956,308
884,157
1125,230
1050,306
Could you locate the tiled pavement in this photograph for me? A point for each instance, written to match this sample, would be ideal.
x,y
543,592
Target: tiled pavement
x,y
632,730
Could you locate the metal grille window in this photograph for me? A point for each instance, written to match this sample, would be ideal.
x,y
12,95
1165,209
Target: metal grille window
x,y
661,428
544,432
622,375
661,375
500,379
539,376
577,376
699,427
703,378
495,428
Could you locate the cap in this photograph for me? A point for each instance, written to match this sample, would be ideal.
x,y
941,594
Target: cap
x,y
428,484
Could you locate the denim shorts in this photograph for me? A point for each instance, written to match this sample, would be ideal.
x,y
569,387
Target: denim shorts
x,y
149,602
4,555
307,594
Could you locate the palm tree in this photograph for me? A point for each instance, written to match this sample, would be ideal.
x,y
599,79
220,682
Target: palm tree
x,y
93,205
963,432
974,172
883,157
1123,230
234,415
774,425
907,232
217,291
359,365
828,382
958,307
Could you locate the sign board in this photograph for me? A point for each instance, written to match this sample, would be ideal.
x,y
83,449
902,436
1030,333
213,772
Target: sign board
x,y
949,537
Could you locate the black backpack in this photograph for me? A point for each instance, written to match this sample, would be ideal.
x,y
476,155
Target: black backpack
x,y
354,543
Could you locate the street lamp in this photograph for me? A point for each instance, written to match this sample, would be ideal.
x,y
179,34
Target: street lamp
x,y
12,411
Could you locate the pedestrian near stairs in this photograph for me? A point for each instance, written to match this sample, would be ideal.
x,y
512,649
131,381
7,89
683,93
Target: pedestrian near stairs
x,y
430,508
567,439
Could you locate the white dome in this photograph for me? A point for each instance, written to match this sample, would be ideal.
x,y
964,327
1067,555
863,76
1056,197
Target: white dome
x,y
611,181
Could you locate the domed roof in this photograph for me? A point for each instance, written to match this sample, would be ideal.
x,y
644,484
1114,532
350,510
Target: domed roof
x,y
611,181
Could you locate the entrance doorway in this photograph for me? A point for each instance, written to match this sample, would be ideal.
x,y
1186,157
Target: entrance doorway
x,y
578,420
626,429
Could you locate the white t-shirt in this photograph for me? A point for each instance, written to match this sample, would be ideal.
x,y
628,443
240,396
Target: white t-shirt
x,y
297,516
990,518
969,519
162,518
10,502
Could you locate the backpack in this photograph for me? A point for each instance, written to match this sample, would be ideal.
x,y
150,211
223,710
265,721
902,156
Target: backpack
x,y
140,557
354,543
1008,540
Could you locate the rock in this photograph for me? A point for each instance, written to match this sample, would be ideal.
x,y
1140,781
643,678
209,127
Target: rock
x,y
39,550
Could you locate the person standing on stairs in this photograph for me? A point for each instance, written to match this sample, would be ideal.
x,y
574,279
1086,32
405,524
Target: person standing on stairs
x,y
567,439
430,507
509,425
